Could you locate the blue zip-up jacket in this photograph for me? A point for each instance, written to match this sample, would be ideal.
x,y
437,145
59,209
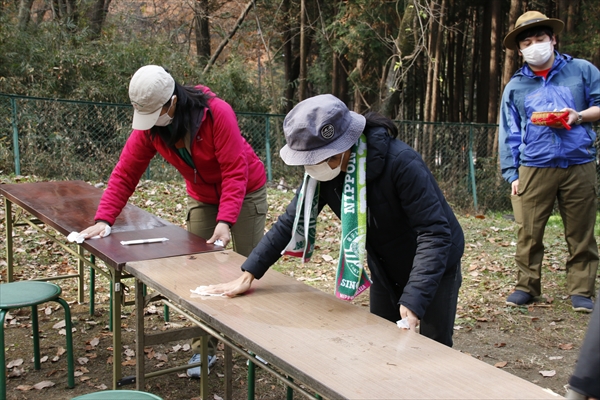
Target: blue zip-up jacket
x,y
571,82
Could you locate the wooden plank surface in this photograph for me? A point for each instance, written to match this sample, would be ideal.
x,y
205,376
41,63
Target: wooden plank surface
x,y
70,206
339,349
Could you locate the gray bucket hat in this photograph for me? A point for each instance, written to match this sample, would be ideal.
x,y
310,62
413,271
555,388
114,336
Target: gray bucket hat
x,y
318,128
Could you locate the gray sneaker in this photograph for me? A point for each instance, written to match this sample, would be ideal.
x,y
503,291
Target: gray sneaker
x,y
194,372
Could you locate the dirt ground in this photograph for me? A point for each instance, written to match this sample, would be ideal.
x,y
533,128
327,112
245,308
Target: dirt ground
x,y
539,343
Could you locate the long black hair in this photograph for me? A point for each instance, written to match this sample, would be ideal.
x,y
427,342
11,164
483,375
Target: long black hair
x,y
374,119
190,102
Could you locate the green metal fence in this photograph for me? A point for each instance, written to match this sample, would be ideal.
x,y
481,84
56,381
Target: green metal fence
x,y
62,139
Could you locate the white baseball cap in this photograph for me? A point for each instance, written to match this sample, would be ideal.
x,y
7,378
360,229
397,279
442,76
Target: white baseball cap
x,y
149,90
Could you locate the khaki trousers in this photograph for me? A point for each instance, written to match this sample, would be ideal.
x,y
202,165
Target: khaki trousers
x,y
577,194
245,233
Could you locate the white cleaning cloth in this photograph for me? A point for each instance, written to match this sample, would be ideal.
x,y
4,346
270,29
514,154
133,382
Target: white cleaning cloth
x,y
201,290
403,324
79,238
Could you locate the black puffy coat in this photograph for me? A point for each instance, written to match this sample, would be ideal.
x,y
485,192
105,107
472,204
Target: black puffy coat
x,y
413,237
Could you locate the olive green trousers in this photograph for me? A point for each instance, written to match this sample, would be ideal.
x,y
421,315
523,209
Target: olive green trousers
x,y
576,191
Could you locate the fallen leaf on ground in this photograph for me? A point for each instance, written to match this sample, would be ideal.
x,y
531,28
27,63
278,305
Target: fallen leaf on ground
x,y
501,364
548,373
15,363
60,324
24,388
565,346
43,384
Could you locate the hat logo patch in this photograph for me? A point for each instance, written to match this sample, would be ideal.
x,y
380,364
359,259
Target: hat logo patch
x,y
327,131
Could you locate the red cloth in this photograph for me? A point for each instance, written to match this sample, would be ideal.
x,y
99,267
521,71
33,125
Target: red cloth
x,y
226,166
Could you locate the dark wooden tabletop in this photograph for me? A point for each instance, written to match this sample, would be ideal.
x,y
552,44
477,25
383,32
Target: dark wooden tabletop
x,y
70,206
340,350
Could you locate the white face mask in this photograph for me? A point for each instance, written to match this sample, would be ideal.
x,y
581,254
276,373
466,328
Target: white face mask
x,y
323,172
538,53
165,119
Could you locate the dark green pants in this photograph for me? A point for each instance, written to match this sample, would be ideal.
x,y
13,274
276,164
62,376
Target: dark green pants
x,y
575,189
245,233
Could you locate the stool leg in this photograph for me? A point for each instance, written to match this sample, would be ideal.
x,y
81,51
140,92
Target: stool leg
x,y
36,337
2,357
69,334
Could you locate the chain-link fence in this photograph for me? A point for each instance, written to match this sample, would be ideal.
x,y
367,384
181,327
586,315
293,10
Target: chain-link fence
x,y
62,139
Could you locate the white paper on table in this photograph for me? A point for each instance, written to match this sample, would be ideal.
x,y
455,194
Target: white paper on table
x,y
143,241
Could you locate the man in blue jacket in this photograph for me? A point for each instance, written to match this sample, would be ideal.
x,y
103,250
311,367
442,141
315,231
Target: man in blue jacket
x,y
544,163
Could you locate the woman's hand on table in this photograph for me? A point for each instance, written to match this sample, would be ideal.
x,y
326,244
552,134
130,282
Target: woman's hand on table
x,y
99,229
222,233
233,288
411,317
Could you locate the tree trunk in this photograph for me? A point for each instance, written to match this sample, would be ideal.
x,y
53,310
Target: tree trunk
x,y
303,51
494,88
510,56
360,64
288,57
458,95
97,16
483,81
24,13
404,46
202,30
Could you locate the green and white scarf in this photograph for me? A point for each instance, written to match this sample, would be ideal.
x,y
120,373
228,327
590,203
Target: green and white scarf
x,y
351,278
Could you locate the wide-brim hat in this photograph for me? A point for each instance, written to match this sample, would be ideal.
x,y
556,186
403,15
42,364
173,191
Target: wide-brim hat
x,y
150,89
530,20
318,128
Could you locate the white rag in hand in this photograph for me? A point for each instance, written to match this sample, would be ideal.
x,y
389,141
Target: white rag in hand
x,y
201,290
79,238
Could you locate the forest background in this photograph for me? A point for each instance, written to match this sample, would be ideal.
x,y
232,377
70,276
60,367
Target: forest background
x,y
420,60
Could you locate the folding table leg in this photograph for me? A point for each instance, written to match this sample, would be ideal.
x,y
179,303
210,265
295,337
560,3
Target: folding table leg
x,y
92,286
228,373
81,273
204,367
140,335
117,295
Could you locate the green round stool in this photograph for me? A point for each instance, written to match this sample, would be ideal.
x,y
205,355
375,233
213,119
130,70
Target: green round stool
x,y
118,395
30,294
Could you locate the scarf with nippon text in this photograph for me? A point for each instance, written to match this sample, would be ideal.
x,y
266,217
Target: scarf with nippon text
x,y
351,277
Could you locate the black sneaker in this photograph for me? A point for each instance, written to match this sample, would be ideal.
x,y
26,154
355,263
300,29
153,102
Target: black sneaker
x,y
518,298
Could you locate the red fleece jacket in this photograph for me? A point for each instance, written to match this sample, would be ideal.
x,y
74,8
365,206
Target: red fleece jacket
x,y
226,166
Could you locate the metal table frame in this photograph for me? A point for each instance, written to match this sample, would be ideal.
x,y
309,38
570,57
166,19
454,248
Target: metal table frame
x,y
27,215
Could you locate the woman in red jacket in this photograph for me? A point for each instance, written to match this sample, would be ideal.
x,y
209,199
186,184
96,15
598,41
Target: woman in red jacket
x,y
198,134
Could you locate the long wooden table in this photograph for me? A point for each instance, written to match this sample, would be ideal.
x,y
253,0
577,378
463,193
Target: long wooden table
x,y
339,350
70,206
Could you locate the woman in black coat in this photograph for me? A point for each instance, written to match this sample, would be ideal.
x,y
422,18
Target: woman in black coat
x,y
413,242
